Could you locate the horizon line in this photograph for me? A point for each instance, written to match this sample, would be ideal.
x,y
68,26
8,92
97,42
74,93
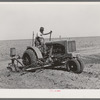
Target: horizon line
x,y
52,38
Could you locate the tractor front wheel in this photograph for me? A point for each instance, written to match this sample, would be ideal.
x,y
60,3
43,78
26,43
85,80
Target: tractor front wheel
x,y
74,65
29,58
81,65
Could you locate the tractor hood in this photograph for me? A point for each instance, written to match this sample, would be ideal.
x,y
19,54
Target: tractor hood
x,y
70,46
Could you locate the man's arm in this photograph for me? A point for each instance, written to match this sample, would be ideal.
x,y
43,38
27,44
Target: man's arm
x,y
47,33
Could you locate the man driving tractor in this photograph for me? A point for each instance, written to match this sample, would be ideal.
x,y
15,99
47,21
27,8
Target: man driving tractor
x,y
39,40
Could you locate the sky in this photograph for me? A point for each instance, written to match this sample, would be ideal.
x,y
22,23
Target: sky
x,y
65,19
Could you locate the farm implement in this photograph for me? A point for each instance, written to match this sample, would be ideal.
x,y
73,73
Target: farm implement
x,y
47,55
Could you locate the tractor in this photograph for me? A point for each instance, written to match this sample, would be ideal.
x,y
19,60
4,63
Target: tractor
x,y
51,54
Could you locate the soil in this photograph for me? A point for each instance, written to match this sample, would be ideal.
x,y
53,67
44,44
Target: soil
x,y
56,78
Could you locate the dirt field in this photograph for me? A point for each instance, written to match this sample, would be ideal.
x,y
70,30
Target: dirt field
x,y
89,49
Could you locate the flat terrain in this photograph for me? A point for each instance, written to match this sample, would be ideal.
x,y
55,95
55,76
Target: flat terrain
x,y
89,49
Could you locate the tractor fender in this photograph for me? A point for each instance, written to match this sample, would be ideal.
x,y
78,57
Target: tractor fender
x,y
37,51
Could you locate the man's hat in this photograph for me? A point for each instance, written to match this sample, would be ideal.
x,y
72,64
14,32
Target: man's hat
x,y
41,29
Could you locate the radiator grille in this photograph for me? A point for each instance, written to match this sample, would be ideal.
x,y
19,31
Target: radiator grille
x,y
71,46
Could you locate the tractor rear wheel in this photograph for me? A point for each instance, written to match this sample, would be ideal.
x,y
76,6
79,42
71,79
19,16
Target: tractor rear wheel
x,y
73,65
29,58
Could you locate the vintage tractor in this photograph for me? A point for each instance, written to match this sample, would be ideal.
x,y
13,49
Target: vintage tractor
x,y
51,54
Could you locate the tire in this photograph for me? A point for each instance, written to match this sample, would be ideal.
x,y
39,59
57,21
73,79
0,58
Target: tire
x,y
81,65
29,58
73,65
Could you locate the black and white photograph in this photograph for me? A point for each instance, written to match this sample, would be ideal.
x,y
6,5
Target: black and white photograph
x,y
53,45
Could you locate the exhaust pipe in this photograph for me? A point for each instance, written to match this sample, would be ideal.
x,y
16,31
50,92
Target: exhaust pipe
x,y
33,39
